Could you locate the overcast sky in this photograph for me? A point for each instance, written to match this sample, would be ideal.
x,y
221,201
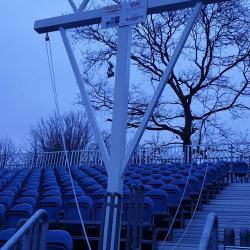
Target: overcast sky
x,y
26,92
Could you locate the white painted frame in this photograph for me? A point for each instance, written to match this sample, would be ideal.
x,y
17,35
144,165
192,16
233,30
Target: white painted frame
x,y
117,162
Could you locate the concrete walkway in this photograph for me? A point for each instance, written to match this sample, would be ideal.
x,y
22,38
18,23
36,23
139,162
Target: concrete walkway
x,y
232,206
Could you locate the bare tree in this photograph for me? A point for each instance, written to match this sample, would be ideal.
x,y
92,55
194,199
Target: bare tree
x,y
46,135
212,75
7,146
7,150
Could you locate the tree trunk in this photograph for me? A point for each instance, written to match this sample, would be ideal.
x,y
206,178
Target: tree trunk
x,y
186,136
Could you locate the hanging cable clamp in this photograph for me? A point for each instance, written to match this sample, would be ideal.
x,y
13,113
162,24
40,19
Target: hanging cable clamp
x,y
47,37
219,7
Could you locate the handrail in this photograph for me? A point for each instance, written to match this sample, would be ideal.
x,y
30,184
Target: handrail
x,y
209,238
143,155
40,237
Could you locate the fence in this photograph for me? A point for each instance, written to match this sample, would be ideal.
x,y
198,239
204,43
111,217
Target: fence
x,y
142,155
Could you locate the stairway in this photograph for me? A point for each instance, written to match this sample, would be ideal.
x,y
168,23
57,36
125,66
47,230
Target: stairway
x,y
232,207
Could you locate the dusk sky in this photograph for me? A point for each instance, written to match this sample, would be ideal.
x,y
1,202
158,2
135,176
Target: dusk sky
x,y
26,92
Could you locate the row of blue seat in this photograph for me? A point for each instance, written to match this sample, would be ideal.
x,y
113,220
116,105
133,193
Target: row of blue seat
x,y
42,188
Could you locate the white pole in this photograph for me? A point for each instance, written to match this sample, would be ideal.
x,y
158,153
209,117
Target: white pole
x,y
162,84
85,97
119,123
72,5
83,5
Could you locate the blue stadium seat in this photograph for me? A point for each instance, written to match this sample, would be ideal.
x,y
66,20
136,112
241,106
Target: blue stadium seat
x,y
145,179
155,170
97,195
30,200
146,173
3,182
70,195
147,211
160,200
156,183
29,193
157,176
16,213
167,179
91,189
2,213
27,189
53,206
135,176
147,188
173,193
86,184
6,201
8,193
177,176
184,172
5,235
187,202
59,239
49,188
11,188
129,172
182,184
174,170
135,182
85,205
15,184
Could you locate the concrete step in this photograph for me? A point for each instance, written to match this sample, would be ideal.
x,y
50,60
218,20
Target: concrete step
x,y
232,207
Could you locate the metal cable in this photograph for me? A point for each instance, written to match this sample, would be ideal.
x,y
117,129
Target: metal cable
x,y
52,77
219,10
178,208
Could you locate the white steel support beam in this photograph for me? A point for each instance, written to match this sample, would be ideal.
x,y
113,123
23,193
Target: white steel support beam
x,y
119,124
120,107
83,5
73,6
94,16
85,97
162,85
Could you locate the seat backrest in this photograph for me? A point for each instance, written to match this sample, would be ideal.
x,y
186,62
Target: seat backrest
x,y
182,185
148,209
59,239
16,213
6,201
8,193
173,193
146,179
156,183
30,193
30,200
53,206
167,179
135,176
5,235
193,184
85,205
135,182
160,200
157,176
98,195
146,173
2,213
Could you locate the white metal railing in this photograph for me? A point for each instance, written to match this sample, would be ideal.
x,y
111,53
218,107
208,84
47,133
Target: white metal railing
x,y
142,155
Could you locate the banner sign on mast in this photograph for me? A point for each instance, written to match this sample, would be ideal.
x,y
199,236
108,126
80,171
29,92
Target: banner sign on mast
x,y
124,14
